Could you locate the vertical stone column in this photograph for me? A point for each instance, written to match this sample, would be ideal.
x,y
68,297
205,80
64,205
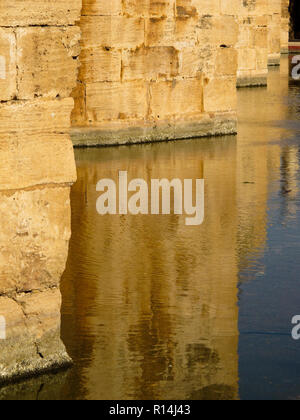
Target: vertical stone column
x,y
274,43
285,26
155,71
253,43
39,49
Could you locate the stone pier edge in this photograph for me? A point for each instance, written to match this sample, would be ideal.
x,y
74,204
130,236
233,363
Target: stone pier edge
x,y
61,362
212,126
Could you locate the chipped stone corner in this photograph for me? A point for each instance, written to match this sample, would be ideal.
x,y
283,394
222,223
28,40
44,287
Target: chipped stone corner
x,y
32,343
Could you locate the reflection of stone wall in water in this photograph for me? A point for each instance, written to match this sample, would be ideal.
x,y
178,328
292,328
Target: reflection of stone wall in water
x,y
145,348
38,48
155,70
48,386
257,166
163,320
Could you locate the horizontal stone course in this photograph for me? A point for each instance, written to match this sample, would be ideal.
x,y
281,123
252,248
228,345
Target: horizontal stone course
x,y
17,13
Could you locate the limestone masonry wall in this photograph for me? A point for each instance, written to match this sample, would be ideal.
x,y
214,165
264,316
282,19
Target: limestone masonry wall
x,y
155,70
253,43
165,70
274,44
285,26
39,48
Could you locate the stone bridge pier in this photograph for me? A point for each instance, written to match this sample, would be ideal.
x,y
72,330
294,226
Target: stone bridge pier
x,y
39,48
155,71
119,72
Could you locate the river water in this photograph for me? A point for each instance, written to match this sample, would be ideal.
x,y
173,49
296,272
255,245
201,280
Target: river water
x,y
155,309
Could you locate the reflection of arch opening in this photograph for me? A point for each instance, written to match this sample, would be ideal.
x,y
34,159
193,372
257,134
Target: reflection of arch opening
x,y
295,21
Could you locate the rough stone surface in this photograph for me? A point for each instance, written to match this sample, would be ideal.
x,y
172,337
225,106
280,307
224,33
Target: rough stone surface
x,y
135,132
155,70
285,26
33,343
141,60
35,232
47,61
253,43
38,71
8,68
39,12
274,42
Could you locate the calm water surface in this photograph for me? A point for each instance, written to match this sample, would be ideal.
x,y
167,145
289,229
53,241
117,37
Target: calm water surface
x,y
153,309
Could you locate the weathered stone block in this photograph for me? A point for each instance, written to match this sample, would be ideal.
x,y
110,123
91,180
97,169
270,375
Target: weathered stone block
x,y
47,61
220,95
190,61
33,343
185,31
8,67
247,59
262,59
150,63
285,25
159,32
176,98
100,64
261,38
112,31
232,7
79,116
187,8
35,117
35,231
113,101
41,12
33,152
225,31
36,159
149,8
226,62
274,24
102,7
